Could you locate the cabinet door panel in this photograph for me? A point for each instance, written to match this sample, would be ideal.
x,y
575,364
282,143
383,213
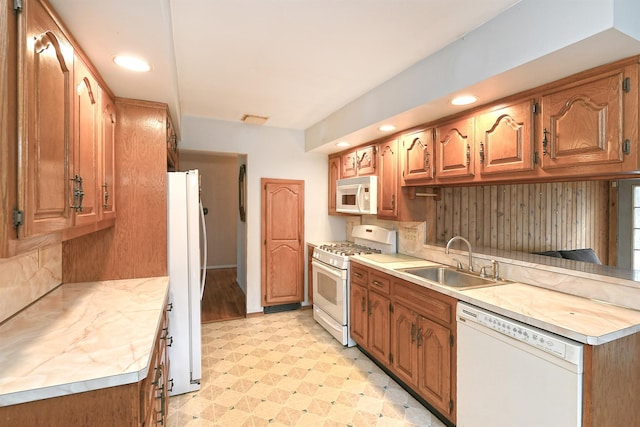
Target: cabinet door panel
x,y
366,160
388,180
403,344
349,165
359,316
455,149
107,193
282,234
379,327
504,139
334,176
434,364
45,105
417,158
87,110
583,124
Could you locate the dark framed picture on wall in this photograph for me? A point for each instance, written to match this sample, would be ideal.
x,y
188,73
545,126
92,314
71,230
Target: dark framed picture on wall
x,y
242,187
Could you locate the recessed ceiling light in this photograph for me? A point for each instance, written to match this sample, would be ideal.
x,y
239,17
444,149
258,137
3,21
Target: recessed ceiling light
x,y
464,100
343,144
387,128
132,63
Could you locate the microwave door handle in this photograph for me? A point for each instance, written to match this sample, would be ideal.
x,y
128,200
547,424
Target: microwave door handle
x,y
358,197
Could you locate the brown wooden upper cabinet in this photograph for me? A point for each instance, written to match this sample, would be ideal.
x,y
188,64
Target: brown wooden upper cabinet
x,y
108,158
66,127
45,100
388,179
591,122
358,162
334,176
504,141
84,177
455,150
417,159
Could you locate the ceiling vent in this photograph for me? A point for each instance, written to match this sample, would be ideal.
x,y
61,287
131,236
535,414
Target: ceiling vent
x,y
254,120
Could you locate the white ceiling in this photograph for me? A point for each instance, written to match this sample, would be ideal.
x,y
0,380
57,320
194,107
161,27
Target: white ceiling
x,y
295,61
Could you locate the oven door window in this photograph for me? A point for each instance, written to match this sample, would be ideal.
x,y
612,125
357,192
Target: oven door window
x,y
328,288
329,291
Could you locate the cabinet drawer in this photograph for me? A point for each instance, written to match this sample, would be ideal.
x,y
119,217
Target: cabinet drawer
x,y
428,303
359,275
381,283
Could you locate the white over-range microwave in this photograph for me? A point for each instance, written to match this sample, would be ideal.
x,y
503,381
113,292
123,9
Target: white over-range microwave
x,y
357,195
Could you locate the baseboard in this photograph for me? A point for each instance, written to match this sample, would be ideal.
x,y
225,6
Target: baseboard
x,y
255,314
283,307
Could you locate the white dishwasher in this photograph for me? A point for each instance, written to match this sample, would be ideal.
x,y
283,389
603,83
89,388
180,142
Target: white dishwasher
x,y
514,375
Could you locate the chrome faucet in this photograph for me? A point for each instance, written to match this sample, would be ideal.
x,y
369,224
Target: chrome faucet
x,y
453,239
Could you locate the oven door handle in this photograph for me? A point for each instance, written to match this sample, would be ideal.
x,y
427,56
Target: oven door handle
x,y
332,271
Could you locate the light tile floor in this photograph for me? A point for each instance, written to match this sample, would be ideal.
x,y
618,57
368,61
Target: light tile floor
x,y
283,369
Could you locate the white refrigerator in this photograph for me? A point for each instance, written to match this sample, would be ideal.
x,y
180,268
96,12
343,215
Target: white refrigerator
x,y
186,235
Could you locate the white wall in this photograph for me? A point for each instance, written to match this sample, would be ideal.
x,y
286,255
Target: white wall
x,y
529,44
271,153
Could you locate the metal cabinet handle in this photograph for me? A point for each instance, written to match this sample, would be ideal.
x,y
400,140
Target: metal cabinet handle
x,y
162,398
363,304
158,375
426,157
413,333
468,154
78,193
106,196
358,275
545,142
481,152
378,284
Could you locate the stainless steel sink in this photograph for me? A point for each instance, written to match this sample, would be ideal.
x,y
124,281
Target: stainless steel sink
x,y
450,277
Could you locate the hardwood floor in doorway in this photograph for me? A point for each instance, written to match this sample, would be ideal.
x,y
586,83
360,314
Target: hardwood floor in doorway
x,y
223,299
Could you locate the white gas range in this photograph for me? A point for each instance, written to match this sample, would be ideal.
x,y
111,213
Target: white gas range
x,y
330,270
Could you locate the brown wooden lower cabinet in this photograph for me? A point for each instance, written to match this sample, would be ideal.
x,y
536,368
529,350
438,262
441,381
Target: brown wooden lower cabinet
x,y
419,329
611,383
408,329
144,403
379,324
359,316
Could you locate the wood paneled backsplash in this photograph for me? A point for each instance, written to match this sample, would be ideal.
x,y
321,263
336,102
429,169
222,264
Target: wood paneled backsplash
x,y
527,217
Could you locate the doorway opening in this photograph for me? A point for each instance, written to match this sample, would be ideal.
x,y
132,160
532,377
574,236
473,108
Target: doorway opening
x,y
222,194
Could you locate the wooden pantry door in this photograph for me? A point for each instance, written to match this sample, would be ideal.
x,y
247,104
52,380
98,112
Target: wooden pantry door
x,y
282,238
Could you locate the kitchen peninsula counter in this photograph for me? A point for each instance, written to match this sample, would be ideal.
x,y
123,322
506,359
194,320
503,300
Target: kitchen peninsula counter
x,y
582,319
81,337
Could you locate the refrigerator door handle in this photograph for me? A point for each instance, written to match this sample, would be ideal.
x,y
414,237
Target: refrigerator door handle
x,y
203,267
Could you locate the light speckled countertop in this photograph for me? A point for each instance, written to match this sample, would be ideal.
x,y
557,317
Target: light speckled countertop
x,y
581,319
81,337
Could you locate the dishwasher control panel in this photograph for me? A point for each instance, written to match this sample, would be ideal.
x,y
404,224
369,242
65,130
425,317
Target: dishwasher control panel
x,y
561,347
